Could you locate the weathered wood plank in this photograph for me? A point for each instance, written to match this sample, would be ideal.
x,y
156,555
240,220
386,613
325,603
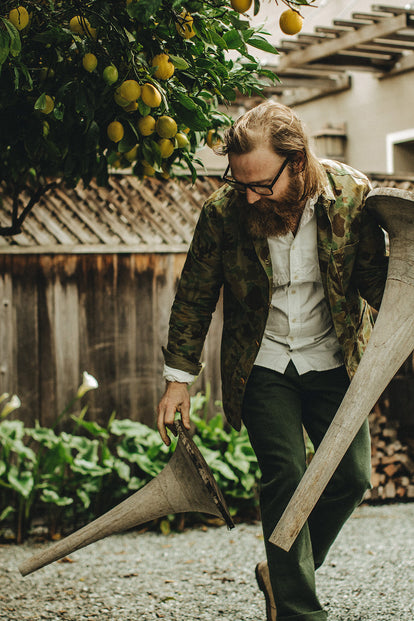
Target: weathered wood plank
x,y
7,381
26,332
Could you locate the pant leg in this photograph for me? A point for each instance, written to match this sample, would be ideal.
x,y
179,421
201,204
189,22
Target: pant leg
x,y
272,414
322,395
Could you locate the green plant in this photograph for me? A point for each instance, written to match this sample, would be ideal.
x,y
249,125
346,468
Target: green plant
x,y
64,478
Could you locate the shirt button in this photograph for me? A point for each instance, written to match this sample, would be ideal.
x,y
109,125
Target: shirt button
x,y
293,291
293,320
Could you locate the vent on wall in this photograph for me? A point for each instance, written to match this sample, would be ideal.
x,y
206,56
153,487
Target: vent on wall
x,y
330,142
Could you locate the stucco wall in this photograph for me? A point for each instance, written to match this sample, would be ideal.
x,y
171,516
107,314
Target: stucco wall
x,y
372,109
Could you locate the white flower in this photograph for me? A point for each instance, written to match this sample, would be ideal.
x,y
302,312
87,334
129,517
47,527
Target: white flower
x,y
11,405
89,383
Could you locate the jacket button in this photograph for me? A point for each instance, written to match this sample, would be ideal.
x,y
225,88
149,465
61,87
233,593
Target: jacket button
x,y
257,343
242,381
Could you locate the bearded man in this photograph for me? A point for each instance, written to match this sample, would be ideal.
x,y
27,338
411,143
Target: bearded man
x,y
301,263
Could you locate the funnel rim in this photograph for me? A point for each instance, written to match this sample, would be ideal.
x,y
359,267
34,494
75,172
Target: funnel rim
x,y
204,471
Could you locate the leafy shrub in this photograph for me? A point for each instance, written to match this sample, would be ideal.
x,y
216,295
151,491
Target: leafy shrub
x,y
63,479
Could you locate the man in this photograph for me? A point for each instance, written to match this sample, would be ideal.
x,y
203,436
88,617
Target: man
x,y
301,262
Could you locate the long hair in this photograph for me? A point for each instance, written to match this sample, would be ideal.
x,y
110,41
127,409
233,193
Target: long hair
x,y
278,126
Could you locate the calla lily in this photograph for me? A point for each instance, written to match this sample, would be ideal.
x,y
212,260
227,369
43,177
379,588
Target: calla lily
x,y
89,383
11,405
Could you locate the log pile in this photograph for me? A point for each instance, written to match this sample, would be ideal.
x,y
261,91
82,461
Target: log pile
x,y
392,462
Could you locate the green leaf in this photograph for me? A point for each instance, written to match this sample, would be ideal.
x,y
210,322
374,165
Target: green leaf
x,y
143,109
15,42
218,40
233,40
84,497
93,428
185,100
262,44
224,469
178,62
4,46
40,102
143,10
22,482
6,512
194,119
50,496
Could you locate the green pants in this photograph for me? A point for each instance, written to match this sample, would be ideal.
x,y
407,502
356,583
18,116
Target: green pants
x,y
274,409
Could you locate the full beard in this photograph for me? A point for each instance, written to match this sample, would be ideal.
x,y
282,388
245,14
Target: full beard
x,y
274,218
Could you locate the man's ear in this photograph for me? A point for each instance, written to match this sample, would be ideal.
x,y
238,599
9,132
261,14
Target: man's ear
x,y
298,162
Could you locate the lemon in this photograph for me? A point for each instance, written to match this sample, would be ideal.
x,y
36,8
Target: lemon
x,y
81,26
146,125
130,90
115,131
290,22
165,68
213,139
131,107
48,105
19,17
241,6
110,74
166,147
121,101
89,62
184,25
150,95
166,127
132,155
147,169
181,140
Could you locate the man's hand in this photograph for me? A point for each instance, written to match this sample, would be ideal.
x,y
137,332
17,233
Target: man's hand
x,y
175,399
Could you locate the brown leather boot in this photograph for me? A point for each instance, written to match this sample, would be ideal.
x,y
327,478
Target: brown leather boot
x,y
263,580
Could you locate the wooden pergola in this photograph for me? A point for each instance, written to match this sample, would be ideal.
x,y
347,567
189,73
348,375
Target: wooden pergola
x,y
381,41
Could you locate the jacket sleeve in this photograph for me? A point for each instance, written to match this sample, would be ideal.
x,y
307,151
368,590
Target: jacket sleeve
x,y
371,266
197,294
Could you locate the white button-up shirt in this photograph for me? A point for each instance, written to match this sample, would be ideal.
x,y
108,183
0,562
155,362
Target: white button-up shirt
x,y
299,326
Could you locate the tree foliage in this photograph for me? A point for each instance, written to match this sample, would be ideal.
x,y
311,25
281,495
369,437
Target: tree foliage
x,y
56,106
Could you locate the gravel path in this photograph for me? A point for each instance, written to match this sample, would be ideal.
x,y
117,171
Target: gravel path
x,y
208,574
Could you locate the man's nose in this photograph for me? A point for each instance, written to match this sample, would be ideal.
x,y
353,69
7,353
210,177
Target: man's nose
x,y
251,196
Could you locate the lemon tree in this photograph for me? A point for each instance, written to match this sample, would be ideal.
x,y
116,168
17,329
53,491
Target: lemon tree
x,y
132,84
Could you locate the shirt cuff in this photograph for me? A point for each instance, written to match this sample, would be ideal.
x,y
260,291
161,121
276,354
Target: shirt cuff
x,y
176,375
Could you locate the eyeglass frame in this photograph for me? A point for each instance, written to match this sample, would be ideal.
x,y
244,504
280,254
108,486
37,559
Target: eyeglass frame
x,y
251,186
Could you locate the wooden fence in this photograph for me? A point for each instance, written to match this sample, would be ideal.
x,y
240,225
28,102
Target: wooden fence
x,y
106,314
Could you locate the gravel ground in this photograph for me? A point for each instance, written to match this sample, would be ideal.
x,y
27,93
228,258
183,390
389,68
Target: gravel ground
x,y
204,574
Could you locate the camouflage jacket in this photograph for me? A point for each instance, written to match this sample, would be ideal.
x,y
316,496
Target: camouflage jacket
x,y
353,265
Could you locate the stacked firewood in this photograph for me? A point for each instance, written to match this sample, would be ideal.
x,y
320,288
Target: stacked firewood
x,y
392,461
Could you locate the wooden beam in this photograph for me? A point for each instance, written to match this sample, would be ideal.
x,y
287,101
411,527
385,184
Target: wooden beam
x,y
348,40
332,30
369,16
406,63
385,8
350,23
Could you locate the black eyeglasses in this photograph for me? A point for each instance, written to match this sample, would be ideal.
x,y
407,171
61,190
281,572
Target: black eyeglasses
x,y
258,188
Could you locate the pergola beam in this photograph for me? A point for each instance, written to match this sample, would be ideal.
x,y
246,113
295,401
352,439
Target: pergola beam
x,y
351,39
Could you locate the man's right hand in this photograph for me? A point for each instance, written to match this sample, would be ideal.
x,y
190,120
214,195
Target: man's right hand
x,y
175,399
